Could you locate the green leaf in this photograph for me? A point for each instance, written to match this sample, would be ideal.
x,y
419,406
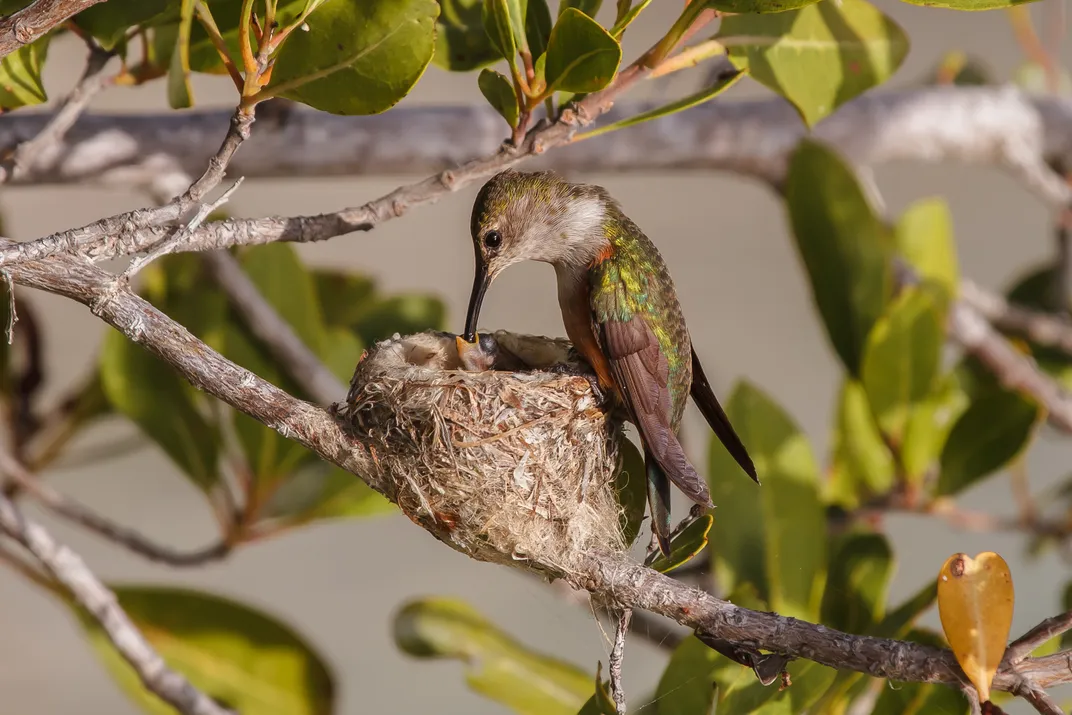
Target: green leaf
x,y
404,314
461,43
497,666
323,491
177,285
687,685
154,397
919,699
108,22
902,357
969,4
818,57
748,695
772,536
581,55
924,237
862,463
537,27
685,545
992,432
287,285
180,93
627,12
499,92
242,658
342,352
845,246
855,596
688,102
500,28
758,6
631,485
358,57
343,297
588,7
20,75
600,703
928,427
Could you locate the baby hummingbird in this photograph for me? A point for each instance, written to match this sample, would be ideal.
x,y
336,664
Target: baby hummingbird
x,y
619,308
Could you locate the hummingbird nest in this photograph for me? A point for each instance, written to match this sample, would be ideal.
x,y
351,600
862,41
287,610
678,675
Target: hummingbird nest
x,y
509,467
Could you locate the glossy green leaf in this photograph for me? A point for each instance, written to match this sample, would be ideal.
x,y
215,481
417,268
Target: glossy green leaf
x,y
499,27
758,6
626,13
499,91
581,55
631,485
860,568
924,237
497,666
108,22
538,26
863,464
687,684
773,536
969,4
992,432
357,57
243,658
902,357
287,285
461,43
404,314
818,57
20,75
180,93
845,247
343,296
685,545
600,703
688,102
588,7
323,491
147,391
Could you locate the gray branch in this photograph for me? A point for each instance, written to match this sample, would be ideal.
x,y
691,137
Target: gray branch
x,y
33,21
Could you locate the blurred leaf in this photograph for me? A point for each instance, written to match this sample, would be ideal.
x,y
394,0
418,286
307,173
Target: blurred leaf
x,y
685,545
818,57
461,43
242,658
957,68
178,285
287,285
20,75
988,435
632,490
684,103
862,463
581,55
969,4
975,602
920,699
844,245
180,93
323,491
772,536
600,703
343,297
902,357
687,685
538,26
928,427
497,666
588,7
342,353
1034,79
499,91
108,22
758,6
357,57
404,314
626,13
924,237
153,396
748,695
855,596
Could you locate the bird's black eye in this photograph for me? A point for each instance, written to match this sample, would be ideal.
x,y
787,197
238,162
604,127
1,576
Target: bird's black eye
x,y
492,239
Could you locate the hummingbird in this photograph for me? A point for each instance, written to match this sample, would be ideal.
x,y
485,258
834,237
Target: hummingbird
x,y
620,310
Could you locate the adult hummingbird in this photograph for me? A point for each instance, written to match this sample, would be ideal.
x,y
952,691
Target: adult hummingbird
x,y
620,310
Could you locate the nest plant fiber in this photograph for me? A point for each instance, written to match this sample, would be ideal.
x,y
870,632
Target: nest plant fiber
x,y
513,467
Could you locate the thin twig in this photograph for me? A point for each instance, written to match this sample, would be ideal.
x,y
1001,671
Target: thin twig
x,y
69,570
1046,329
78,513
35,20
301,363
617,656
48,139
1040,634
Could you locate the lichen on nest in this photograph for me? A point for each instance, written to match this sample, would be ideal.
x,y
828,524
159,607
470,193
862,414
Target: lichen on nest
x,y
509,467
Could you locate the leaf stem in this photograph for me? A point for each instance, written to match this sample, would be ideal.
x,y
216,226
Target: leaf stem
x,y
204,16
249,61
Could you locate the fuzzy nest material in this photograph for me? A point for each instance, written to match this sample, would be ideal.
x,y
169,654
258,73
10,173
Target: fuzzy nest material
x,y
509,467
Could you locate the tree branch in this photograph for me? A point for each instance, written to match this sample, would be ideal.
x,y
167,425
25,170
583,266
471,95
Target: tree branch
x,y
35,20
1047,329
69,570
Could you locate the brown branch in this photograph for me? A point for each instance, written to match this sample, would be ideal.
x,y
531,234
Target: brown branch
x,y
78,513
72,573
1043,632
1047,329
303,366
35,20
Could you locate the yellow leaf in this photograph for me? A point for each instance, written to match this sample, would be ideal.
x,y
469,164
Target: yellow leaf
x,y
975,599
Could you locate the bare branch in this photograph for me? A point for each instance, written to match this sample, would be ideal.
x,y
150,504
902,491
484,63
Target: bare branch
x,y
266,324
617,656
35,20
48,140
1048,329
78,513
1043,632
69,570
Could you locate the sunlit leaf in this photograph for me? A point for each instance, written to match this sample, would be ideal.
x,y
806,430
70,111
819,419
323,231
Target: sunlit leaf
x,y
928,427
497,666
975,602
818,57
685,546
924,237
20,75
581,55
499,91
626,13
244,659
862,462
969,4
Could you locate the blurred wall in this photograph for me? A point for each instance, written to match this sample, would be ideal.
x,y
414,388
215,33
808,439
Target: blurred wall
x,y
750,314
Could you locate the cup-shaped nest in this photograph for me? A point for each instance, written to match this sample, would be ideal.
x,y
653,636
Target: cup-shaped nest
x,y
513,467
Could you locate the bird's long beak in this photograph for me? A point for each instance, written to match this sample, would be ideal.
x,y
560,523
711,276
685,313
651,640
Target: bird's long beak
x,y
481,281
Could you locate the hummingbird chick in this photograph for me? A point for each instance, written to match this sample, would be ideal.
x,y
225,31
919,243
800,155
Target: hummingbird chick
x,y
619,308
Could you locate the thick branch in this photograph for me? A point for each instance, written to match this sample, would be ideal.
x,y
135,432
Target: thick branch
x,y
23,27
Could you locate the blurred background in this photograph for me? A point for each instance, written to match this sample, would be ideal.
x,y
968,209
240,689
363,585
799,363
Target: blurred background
x,y
750,313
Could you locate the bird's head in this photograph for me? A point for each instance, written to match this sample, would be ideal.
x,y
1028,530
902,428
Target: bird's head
x,y
536,216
